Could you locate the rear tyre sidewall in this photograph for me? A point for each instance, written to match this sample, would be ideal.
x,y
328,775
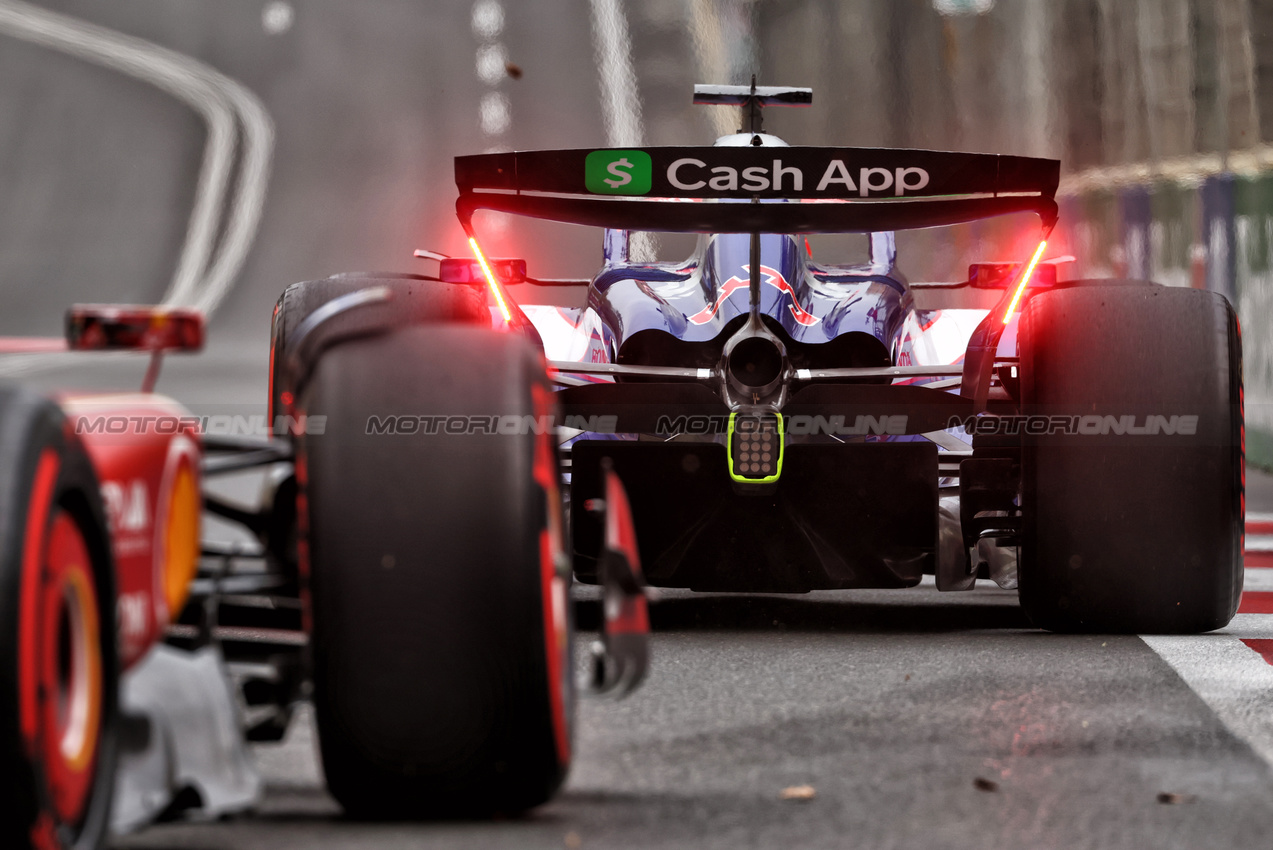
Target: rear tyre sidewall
x,y
433,603
1132,533
417,300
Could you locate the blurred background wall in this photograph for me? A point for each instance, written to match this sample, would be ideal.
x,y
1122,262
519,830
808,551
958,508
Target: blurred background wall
x,y
1161,112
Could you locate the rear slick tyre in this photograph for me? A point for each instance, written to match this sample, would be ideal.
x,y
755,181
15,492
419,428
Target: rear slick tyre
x,y
1134,522
440,624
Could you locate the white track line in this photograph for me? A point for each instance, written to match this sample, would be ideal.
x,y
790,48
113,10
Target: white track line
x,y
1231,678
201,280
244,215
1234,680
176,74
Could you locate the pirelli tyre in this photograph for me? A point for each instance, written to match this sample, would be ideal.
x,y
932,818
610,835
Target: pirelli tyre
x,y
418,300
1132,498
438,588
59,667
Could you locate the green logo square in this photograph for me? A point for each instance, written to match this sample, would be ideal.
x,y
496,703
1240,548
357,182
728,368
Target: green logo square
x,y
618,172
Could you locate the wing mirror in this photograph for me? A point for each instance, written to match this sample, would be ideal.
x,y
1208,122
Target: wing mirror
x,y
461,270
1003,275
101,327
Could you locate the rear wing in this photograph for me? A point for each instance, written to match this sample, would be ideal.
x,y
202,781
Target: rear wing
x,y
719,189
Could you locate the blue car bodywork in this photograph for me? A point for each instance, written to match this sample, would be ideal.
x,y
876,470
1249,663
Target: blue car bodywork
x,y
776,422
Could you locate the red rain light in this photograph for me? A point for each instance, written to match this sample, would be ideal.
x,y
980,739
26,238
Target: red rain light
x,y
496,289
1025,279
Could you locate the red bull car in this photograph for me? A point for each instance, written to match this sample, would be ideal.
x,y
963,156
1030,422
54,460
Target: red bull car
x,y
742,419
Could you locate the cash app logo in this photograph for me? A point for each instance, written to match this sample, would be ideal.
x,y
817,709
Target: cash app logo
x,y
618,172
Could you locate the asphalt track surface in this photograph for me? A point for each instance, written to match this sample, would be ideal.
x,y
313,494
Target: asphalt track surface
x,y
893,705
918,719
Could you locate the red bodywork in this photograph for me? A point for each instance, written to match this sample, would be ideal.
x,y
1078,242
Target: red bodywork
x,y
138,443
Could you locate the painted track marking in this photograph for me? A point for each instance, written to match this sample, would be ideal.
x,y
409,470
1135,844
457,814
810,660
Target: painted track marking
x,y
1264,646
1232,678
205,271
1231,670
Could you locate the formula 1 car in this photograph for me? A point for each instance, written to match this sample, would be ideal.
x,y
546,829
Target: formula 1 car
x,y
100,528
745,419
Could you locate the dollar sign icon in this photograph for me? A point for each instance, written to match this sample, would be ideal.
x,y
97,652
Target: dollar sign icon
x,y
618,172
624,178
